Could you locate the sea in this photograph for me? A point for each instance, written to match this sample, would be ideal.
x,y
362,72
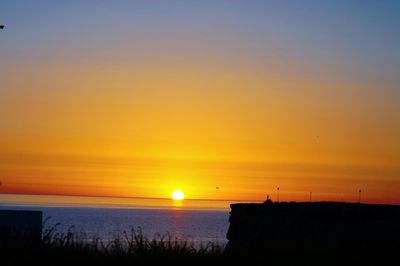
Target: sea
x,y
197,221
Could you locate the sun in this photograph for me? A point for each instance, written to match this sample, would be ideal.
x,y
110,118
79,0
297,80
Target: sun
x,y
178,195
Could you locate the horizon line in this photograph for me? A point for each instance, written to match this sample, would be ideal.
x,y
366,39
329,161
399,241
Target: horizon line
x,y
122,197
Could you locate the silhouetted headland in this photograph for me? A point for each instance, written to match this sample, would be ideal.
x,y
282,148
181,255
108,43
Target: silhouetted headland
x,y
298,230
20,227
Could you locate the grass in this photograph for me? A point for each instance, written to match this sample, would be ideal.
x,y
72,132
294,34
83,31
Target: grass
x,y
134,248
130,248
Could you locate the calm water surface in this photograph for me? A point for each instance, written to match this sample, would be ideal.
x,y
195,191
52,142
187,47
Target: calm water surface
x,y
200,221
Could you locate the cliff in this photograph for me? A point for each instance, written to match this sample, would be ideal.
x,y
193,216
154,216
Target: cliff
x,y
20,227
313,228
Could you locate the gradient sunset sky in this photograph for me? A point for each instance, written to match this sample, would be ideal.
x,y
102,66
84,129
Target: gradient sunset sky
x,y
138,98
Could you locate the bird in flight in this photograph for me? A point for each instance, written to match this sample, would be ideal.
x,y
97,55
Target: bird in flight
x,y
1,26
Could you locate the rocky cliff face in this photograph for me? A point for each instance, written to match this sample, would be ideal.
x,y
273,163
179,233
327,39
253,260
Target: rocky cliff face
x,y
311,227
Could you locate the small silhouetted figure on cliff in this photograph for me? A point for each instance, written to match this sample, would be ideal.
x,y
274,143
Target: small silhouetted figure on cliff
x,y
268,200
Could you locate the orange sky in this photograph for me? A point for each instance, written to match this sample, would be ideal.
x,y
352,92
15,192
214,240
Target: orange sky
x,y
164,105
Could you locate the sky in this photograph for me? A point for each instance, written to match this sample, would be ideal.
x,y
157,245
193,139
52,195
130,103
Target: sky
x,y
138,98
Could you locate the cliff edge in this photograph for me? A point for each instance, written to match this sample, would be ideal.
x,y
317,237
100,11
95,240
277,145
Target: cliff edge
x,y
319,228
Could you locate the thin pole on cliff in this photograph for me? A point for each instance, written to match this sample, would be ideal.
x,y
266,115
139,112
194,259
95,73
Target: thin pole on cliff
x,y
277,195
359,196
310,196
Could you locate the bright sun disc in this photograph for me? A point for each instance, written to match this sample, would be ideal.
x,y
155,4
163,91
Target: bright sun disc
x,y
178,195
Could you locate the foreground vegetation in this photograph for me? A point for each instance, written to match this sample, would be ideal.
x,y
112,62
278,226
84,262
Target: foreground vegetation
x,y
134,248
131,248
